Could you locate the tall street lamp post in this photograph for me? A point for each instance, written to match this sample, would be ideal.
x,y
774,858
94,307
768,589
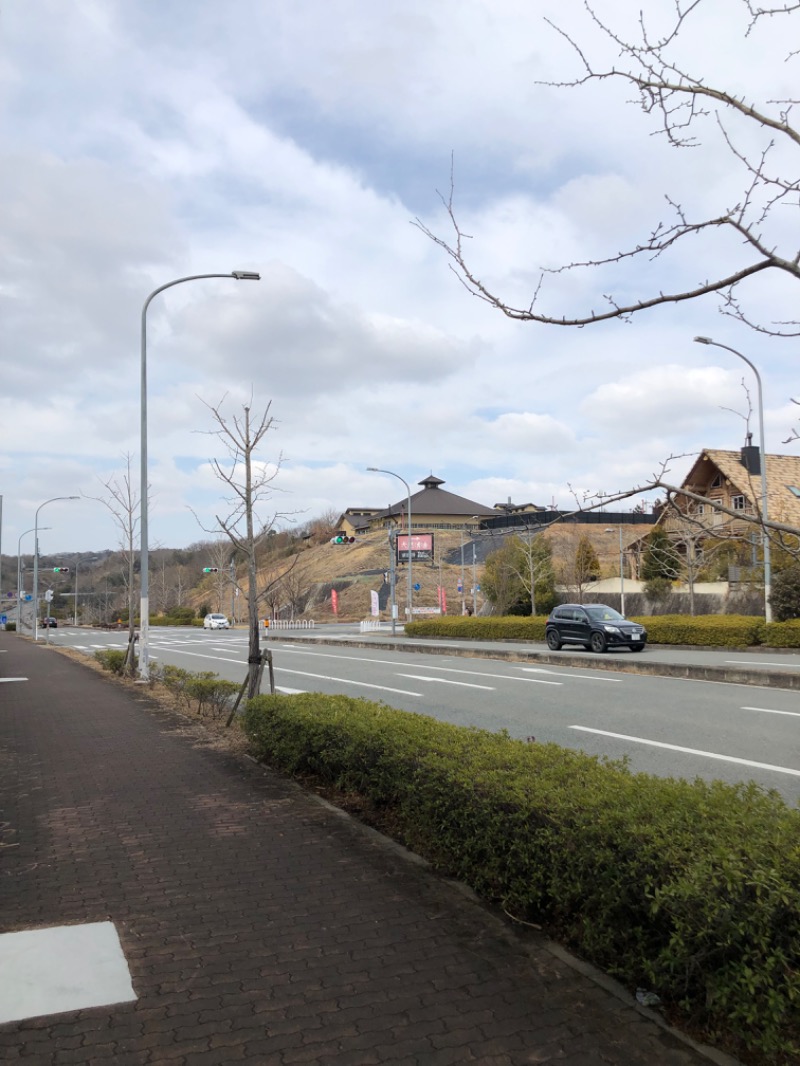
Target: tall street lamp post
x,y
36,562
621,571
144,605
764,507
378,470
20,578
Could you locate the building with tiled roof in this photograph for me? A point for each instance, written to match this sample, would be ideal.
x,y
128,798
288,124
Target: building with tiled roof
x,y
733,480
432,508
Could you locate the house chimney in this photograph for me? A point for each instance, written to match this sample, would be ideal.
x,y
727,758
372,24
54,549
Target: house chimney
x,y
751,456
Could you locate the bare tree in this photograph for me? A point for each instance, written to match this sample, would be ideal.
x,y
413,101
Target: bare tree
x,y
122,501
249,483
685,109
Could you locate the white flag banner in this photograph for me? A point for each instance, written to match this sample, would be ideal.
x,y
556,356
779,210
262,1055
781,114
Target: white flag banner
x,y
374,601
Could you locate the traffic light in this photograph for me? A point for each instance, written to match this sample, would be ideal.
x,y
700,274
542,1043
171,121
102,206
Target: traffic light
x,y
60,569
340,538
210,569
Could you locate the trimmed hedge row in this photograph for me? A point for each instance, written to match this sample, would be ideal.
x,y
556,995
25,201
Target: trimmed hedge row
x,y
689,889
719,630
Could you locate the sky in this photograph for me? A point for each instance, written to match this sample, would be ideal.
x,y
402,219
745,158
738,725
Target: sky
x,y
145,142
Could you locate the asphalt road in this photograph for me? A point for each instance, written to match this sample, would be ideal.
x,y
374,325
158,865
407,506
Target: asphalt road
x,y
664,726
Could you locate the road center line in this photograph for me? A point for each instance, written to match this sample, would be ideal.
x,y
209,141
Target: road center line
x,y
13,679
690,751
447,681
769,710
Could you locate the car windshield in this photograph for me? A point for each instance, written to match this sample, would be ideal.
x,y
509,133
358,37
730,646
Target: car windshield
x,y
218,617
604,614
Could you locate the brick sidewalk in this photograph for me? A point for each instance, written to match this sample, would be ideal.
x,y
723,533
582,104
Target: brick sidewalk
x,y
259,926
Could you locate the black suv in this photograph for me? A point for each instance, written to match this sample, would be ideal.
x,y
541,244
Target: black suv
x,y
593,625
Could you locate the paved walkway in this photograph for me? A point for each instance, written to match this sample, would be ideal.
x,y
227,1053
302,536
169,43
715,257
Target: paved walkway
x,y
259,925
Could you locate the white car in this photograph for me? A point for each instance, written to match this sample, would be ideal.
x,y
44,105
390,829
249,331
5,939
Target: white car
x,y
216,621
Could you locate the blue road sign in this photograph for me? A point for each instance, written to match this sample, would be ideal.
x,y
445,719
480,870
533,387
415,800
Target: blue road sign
x,y
417,588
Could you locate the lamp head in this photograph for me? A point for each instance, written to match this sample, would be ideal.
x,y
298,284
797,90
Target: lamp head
x,y
245,275
703,340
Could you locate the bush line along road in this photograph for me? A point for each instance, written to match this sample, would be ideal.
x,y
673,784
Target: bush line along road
x,y
665,726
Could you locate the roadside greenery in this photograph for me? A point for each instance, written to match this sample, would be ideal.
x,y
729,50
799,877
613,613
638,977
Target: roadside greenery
x,y
785,596
688,889
720,630
203,692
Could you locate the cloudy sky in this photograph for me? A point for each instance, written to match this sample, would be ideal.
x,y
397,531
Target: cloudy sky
x,y
145,141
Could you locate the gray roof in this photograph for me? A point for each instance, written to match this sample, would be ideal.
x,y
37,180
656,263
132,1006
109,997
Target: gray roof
x,y
432,500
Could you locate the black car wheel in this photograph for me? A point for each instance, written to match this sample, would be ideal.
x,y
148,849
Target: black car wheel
x,y
598,643
553,642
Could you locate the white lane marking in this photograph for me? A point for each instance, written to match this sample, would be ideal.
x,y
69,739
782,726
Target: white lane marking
x,y
447,681
769,710
441,669
198,655
690,751
289,691
583,677
750,662
13,679
346,681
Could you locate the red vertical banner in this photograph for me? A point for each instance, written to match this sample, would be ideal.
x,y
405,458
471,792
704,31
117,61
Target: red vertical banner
x,y
335,601
443,601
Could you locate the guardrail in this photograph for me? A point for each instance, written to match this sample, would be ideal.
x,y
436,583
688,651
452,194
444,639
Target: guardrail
x,y
285,623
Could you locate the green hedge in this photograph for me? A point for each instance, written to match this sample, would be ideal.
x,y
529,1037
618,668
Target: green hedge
x,y
783,634
689,889
712,630
502,627
717,630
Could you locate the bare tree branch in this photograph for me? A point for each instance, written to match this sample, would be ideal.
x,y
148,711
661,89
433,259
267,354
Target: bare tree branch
x,y
678,101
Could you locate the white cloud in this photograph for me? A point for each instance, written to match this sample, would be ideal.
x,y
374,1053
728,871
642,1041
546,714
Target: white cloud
x,y
146,142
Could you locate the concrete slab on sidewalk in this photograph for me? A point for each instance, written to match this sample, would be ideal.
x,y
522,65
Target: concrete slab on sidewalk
x,y
64,968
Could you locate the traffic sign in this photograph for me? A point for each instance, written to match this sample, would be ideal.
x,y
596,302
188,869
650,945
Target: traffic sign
x,y
48,595
417,587
3,619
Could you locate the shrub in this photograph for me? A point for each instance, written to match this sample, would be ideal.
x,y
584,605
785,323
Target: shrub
x,y
11,627
113,660
729,631
783,634
785,595
502,627
212,695
658,588
689,888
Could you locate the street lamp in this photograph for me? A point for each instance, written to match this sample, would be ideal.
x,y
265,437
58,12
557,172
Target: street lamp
x,y
144,605
19,575
36,561
764,507
378,470
475,518
621,572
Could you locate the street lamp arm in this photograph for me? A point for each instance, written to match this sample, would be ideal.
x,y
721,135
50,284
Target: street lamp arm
x,y
144,578
410,593
764,502
53,499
